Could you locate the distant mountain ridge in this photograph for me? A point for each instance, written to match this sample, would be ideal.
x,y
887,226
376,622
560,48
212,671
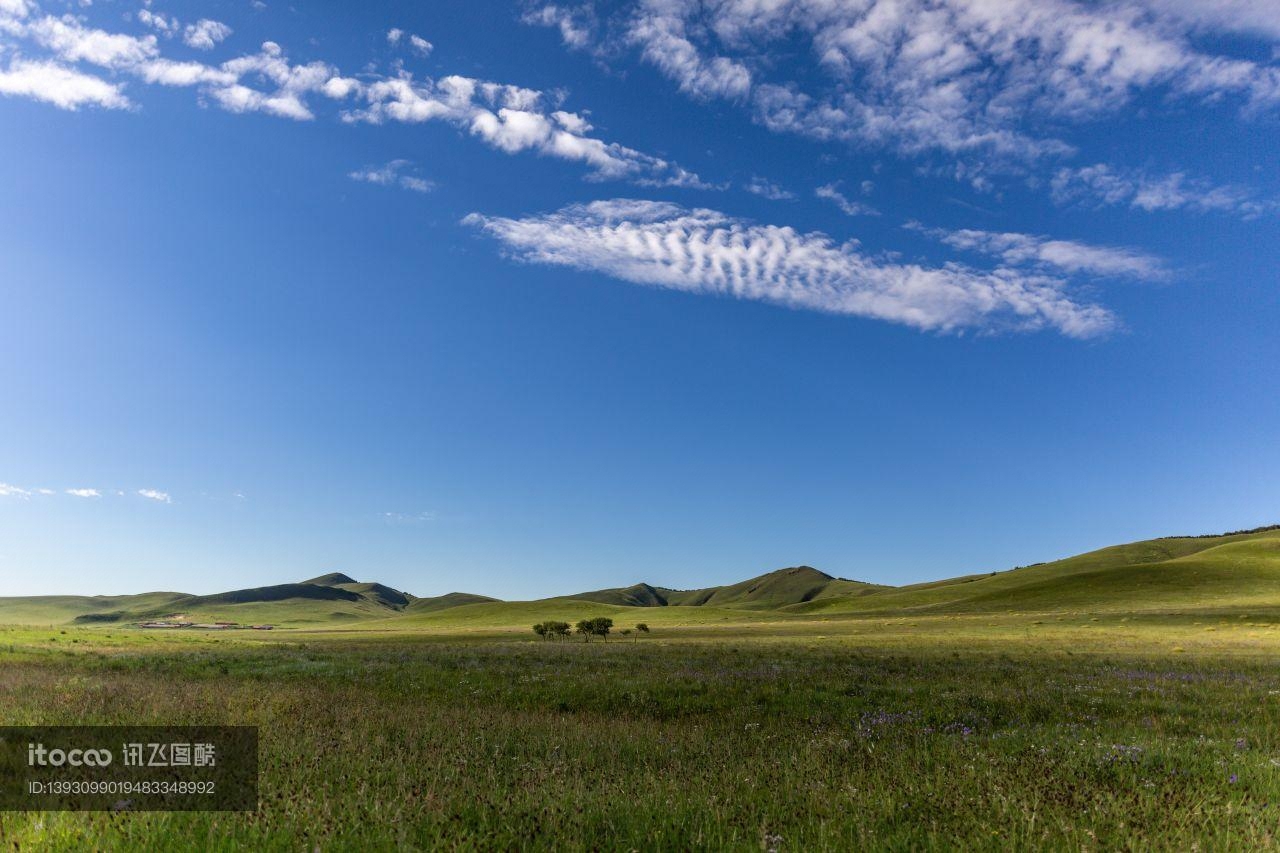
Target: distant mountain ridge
x,y
780,588
330,597
1233,569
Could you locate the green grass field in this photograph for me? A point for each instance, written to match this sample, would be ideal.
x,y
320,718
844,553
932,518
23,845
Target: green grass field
x,y
1126,699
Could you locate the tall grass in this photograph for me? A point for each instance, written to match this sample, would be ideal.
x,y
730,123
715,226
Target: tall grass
x,y
902,737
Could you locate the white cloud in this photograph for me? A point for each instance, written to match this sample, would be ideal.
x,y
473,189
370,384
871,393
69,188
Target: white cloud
x,y
84,493
71,41
15,8
506,117
576,25
1103,185
420,46
292,83
392,174
61,86
848,206
965,77
664,41
1069,256
425,517
205,34
511,119
394,35
165,26
706,252
152,494
1239,16
767,189
8,491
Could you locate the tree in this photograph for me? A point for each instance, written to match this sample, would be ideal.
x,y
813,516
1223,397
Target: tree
x,y
585,627
601,625
541,630
642,628
560,629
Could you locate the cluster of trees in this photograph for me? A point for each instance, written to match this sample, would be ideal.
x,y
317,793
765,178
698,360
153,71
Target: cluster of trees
x,y
551,629
588,628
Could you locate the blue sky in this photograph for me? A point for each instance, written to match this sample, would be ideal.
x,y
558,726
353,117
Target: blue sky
x,y
525,299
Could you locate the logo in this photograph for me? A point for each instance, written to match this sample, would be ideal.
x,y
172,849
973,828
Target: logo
x,y
39,756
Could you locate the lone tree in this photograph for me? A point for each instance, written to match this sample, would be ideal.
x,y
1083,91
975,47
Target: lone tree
x,y
642,628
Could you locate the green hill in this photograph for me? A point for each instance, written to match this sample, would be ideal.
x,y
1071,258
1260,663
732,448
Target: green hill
x,y
334,597
55,609
444,602
768,591
1157,574
1183,574
332,579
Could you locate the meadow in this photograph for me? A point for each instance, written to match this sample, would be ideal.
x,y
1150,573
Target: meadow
x,y
1070,730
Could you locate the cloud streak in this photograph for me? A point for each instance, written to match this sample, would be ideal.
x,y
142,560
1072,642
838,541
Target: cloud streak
x,y
765,188
507,118
1068,256
392,174
989,85
848,206
63,87
9,491
710,253
1103,186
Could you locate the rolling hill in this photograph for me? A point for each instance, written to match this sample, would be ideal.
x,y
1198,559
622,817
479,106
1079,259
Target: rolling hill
x,y
1186,574
784,587
333,597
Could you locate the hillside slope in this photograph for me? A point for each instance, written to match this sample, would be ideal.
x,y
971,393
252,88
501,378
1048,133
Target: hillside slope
x,y
1182,574
1157,574
768,591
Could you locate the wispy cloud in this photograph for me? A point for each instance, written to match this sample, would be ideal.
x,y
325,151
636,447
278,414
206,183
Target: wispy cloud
x,y
1068,256
706,252
577,24
166,26
508,118
982,82
1102,185
410,518
392,174
8,491
84,493
767,189
153,494
417,43
848,206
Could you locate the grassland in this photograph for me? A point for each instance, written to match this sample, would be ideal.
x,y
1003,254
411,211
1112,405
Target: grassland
x,y
1133,706
978,732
